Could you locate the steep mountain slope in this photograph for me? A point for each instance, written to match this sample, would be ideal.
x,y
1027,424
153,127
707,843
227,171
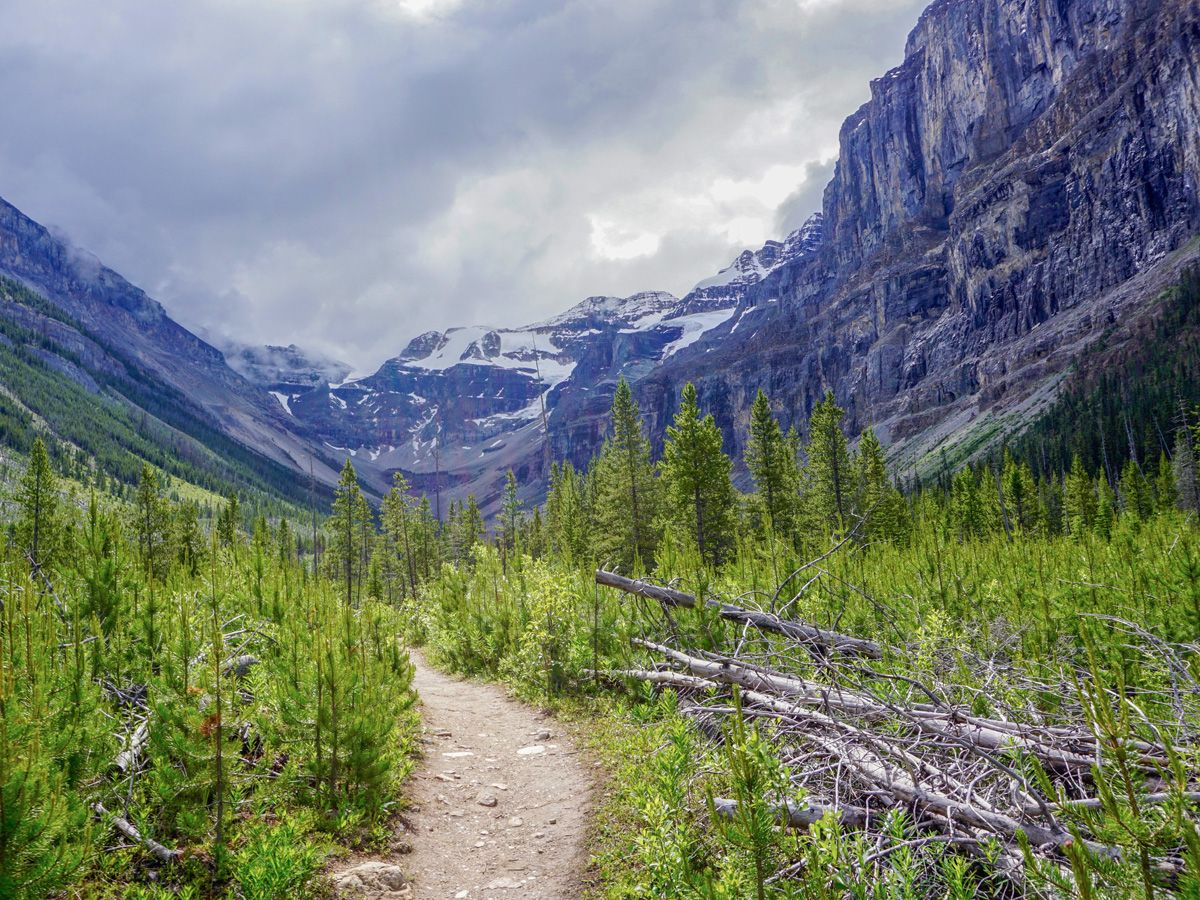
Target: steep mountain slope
x,y
76,330
1026,177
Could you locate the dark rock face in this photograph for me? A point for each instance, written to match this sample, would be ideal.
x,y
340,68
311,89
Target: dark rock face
x,y
1028,175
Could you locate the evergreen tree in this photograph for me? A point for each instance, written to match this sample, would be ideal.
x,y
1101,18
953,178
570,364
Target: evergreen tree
x,y
347,527
151,524
771,459
285,543
1020,491
1135,491
396,518
229,521
830,481
968,505
189,539
881,507
567,520
470,528
1106,507
510,515
625,487
1079,498
1186,471
696,474
39,529
1165,495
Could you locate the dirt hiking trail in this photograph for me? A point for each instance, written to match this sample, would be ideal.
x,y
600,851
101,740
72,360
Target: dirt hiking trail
x,y
498,805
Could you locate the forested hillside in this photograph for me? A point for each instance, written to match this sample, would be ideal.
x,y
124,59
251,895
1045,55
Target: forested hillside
x,y
110,416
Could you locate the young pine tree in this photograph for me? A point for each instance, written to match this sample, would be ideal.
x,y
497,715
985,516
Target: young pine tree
x,y
967,505
346,523
396,518
696,474
1079,498
625,487
1186,471
771,459
189,539
1020,495
830,482
1136,493
881,506
152,525
39,529
510,516
568,521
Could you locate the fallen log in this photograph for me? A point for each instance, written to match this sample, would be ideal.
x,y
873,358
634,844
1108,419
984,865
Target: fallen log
x,y
127,760
947,723
803,816
809,635
130,831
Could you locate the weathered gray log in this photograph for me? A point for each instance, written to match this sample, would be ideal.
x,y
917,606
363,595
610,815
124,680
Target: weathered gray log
x,y
658,676
127,759
129,830
987,734
240,665
802,816
803,632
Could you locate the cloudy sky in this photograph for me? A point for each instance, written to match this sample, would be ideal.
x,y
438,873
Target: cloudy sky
x,y
345,174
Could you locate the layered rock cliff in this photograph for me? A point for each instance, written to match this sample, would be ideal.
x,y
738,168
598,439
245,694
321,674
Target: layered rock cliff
x,y
1026,177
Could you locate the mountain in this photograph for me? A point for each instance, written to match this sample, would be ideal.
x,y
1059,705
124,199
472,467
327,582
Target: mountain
x,y
97,362
1024,180
284,369
455,410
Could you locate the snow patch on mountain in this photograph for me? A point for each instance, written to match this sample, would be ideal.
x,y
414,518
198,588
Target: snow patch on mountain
x,y
695,327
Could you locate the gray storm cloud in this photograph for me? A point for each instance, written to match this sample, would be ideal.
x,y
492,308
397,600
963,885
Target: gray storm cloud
x,y
344,174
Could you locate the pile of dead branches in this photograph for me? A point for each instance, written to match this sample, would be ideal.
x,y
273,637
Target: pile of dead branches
x,y
977,763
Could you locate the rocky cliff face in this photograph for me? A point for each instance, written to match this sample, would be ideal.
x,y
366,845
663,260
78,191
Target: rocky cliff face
x,y
1026,177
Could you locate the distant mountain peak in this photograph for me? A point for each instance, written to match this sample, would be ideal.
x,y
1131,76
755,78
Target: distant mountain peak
x,y
752,266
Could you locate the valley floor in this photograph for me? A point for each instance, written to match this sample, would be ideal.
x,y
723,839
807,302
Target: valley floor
x,y
500,805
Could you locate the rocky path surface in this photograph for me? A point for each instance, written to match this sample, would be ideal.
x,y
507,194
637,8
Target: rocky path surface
x,y
499,805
